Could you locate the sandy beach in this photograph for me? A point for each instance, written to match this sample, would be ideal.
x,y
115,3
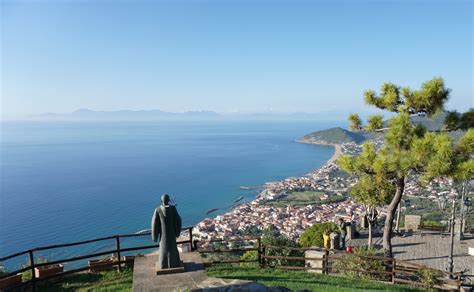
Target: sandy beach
x,y
337,153
337,149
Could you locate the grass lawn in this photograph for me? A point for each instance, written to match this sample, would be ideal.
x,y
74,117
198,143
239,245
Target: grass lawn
x,y
101,281
300,280
294,280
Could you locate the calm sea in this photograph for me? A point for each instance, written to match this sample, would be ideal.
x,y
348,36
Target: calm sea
x,y
70,181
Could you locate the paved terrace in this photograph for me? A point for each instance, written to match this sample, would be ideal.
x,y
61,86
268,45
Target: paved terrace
x,y
427,248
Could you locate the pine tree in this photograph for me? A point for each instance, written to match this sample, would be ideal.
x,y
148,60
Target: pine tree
x,y
372,189
386,169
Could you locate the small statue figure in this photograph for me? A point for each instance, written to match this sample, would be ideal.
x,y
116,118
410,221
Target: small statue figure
x,y
166,225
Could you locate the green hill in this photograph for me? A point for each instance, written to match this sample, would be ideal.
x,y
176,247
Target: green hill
x,y
333,136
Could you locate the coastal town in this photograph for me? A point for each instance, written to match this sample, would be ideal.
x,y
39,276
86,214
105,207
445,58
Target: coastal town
x,y
290,220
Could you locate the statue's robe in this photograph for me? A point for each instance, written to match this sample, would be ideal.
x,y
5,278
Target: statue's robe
x,y
166,225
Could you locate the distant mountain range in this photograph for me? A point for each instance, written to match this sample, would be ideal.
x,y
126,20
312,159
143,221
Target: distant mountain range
x,y
332,115
87,114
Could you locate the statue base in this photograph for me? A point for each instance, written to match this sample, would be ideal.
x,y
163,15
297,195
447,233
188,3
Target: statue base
x,y
169,271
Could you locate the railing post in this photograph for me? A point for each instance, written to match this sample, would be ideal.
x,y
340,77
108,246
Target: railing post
x,y
393,270
326,262
259,252
117,246
32,266
191,244
263,256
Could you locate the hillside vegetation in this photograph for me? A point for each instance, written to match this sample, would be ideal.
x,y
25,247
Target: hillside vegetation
x,y
334,136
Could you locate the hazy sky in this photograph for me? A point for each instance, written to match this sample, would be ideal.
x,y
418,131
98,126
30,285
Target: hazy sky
x,y
58,56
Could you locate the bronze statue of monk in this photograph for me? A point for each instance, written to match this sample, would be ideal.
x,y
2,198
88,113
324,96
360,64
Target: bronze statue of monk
x,y
166,225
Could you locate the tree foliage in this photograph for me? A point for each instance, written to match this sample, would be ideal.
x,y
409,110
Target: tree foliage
x,y
313,236
455,120
436,155
429,99
452,121
382,173
374,188
271,237
360,264
375,122
429,278
355,123
467,120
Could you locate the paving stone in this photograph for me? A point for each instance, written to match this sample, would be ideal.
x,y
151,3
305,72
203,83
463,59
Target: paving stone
x,y
427,248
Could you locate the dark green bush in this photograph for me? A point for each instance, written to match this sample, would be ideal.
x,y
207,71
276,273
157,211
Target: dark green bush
x,y
429,278
431,223
356,262
274,238
313,236
249,255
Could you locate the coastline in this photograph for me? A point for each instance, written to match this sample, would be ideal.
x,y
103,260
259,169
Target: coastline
x,y
337,153
337,150
240,214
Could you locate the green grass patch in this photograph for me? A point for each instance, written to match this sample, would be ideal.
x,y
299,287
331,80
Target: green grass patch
x,y
101,281
305,198
300,280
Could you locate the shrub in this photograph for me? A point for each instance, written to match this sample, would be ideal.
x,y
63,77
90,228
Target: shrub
x,y
431,223
429,278
249,255
356,261
313,236
252,231
270,237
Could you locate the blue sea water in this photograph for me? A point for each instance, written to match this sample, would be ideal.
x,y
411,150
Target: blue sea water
x,y
70,181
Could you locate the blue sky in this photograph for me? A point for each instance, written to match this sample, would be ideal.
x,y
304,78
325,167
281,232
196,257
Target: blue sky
x,y
251,56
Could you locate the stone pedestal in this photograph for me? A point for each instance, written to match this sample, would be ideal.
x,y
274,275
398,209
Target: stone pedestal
x,y
145,278
412,222
318,264
168,271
